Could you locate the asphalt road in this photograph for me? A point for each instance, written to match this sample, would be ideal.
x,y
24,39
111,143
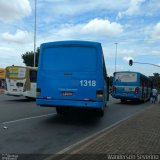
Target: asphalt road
x,y
29,129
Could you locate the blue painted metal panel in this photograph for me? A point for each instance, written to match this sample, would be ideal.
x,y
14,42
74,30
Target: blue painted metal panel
x,y
72,71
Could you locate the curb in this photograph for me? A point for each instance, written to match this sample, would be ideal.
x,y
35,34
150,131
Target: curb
x,y
72,149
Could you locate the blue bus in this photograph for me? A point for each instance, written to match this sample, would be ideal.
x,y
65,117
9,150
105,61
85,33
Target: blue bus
x,y
72,74
132,86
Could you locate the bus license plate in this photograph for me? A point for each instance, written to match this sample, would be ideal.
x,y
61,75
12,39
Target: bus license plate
x,y
14,90
67,93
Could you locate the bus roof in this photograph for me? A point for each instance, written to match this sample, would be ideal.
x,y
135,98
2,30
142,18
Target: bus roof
x,y
72,42
29,67
15,67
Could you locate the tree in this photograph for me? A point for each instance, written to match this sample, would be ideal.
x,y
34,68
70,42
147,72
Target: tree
x,y
156,74
110,80
156,80
28,58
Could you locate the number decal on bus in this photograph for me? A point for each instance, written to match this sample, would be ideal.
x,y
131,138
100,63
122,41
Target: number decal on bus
x,y
88,83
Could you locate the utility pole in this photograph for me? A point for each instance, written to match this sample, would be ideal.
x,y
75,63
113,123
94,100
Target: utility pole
x,y
35,23
116,56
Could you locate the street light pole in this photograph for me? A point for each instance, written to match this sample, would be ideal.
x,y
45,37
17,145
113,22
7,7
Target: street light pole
x,y
35,23
116,56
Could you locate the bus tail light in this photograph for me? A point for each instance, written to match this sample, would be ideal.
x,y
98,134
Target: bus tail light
x,y
136,90
114,89
99,94
38,91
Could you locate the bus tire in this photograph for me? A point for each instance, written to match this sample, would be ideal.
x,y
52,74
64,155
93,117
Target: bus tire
x,y
100,112
59,110
123,101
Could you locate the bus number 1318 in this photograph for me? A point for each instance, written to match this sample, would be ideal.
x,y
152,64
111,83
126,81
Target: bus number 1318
x,y
88,83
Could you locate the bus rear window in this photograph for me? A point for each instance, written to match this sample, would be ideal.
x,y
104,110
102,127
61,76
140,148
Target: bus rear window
x,y
70,58
126,77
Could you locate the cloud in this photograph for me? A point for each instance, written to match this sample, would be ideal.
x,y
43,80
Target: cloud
x,y
14,9
127,54
95,29
71,7
156,31
155,52
127,58
19,37
133,9
5,49
103,27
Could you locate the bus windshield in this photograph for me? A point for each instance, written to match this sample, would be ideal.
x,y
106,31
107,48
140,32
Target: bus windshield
x,y
70,58
15,72
126,77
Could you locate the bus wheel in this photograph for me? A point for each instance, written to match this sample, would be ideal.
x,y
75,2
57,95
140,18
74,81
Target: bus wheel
x,y
59,110
100,112
123,101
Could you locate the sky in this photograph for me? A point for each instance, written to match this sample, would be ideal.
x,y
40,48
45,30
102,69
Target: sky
x,y
131,26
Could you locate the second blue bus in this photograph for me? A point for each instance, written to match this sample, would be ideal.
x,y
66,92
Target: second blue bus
x,y
132,86
72,74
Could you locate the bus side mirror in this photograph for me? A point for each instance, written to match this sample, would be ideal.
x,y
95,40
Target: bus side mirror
x,y
130,62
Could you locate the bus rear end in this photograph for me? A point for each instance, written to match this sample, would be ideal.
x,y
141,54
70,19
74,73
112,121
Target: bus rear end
x,y
70,74
15,80
126,86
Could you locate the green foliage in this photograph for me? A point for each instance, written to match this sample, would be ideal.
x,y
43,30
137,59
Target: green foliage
x,y
156,80
110,80
28,58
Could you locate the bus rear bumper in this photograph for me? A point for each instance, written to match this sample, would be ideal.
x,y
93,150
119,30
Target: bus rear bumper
x,y
13,93
29,94
69,103
126,97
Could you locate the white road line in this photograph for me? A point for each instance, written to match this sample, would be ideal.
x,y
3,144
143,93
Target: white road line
x,y
97,133
28,118
90,137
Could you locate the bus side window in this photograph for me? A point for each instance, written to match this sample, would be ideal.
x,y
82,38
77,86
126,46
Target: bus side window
x,y
33,76
104,71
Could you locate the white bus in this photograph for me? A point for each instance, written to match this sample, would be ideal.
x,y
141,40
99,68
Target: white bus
x,y
21,81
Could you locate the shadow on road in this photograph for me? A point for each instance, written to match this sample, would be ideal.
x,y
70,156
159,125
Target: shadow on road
x,y
133,103
75,117
22,100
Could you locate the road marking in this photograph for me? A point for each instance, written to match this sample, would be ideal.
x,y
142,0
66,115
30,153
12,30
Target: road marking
x,y
28,118
90,137
116,124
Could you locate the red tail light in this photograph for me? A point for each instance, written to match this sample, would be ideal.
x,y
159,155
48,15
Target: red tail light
x,y
99,94
136,90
